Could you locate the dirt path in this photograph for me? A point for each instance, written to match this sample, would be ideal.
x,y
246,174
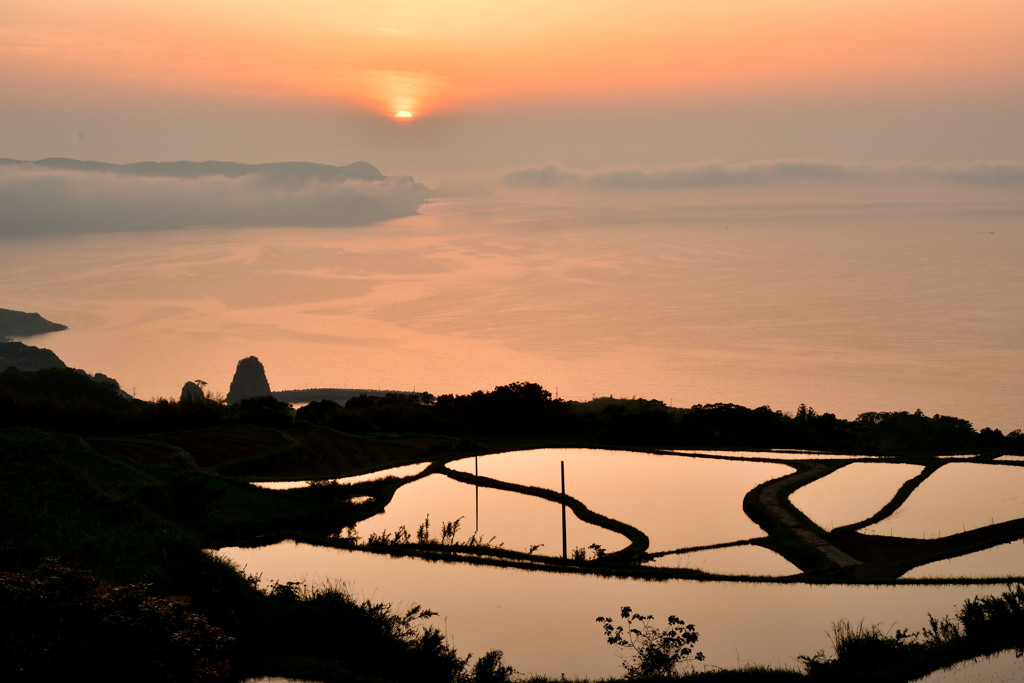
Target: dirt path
x,y
770,496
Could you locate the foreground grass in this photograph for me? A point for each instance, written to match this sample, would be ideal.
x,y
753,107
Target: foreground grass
x,y
984,625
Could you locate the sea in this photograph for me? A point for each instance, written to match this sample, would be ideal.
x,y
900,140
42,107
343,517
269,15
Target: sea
x,y
845,307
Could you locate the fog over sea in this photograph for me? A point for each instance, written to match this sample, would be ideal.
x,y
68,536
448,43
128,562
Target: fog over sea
x,y
844,306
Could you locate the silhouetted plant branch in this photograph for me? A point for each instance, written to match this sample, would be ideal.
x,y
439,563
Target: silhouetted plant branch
x,y
649,650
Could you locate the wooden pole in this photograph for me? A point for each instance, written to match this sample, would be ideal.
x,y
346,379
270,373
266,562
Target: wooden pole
x,y
565,547
476,486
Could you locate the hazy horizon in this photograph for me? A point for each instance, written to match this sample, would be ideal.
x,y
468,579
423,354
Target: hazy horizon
x,y
488,88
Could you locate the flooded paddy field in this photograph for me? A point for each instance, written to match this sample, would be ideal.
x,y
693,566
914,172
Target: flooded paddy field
x,y
693,508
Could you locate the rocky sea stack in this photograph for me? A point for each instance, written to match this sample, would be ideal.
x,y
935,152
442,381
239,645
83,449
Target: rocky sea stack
x,y
250,380
192,393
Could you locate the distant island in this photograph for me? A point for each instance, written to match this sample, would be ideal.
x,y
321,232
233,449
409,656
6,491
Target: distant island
x,y
21,324
289,170
151,195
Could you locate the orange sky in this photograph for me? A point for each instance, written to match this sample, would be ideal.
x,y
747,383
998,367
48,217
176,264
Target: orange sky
x,y
456,55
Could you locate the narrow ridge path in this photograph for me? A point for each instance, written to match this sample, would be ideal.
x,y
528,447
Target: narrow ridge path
x,y
770,497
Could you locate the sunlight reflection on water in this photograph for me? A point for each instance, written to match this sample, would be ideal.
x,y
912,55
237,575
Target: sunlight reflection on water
x,y
1002,560
397,472
545,622
745,560
958,497
842,311
516,521
853,493
1004,667
677,501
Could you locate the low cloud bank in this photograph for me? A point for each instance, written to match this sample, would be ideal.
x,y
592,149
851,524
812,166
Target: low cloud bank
x,y
761,174
68,196
979,174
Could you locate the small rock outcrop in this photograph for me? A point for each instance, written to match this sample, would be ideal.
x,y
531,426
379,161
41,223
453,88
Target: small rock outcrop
x,y
192,393
250,380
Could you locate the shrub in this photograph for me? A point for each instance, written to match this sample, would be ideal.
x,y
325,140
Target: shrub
x,y
984,625
989,616
649,650
490,668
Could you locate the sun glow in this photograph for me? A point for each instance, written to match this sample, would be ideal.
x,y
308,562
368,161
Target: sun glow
x,y
413,56
403,115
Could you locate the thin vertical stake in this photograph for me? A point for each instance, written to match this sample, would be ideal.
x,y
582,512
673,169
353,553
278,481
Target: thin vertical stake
x,y
565,547
476,472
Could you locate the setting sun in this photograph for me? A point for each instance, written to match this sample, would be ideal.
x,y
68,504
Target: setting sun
x,y
403,115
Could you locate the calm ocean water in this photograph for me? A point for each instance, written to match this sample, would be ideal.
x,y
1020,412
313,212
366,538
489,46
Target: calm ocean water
x,y
846,308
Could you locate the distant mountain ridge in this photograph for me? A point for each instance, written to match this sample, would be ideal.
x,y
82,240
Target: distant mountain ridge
x,y
297,170
24,357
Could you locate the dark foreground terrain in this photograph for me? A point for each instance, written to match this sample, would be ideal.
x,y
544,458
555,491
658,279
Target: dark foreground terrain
x,y
108,503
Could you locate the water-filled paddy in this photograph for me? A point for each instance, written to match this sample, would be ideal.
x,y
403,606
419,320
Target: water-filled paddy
x,y
513,520
678,501
742,560
1002,560
397,472
545,622
1004,667
852,493
958,497
774,455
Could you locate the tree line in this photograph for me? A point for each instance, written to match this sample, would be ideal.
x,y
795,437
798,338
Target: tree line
x,y
70,400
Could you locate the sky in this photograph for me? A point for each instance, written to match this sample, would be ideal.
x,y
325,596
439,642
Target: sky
x,y
711,114
495,86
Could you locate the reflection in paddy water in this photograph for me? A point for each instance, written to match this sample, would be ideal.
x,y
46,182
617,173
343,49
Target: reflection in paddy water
x,y
742,560
678,501
958,497
774,455
397,472
514,520
1003,667
1002,560
544,622
853,493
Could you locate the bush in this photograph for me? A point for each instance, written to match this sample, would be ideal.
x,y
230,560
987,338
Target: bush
x,y
991,616
651,651
984,625
869,645
321,633
490,668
